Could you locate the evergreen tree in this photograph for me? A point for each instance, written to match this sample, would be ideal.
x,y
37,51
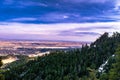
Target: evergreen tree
x,y
1,75
114,73
1,62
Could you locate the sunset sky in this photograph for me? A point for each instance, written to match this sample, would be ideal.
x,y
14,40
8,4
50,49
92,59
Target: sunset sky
x,y
69,20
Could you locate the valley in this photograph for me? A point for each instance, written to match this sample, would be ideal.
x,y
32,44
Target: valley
x,y
12,49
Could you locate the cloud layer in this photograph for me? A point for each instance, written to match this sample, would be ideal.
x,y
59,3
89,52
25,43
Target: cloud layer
x,y
75,20
59,31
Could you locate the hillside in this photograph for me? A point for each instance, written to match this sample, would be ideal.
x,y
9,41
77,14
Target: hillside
x,y
77,64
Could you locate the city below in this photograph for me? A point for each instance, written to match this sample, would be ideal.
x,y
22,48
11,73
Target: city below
x,y
28,47
11,49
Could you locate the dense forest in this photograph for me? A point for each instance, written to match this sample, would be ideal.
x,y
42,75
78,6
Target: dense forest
x,y
77,64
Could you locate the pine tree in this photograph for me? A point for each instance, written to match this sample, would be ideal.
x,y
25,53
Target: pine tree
x,y
1,75
1,62
114,73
